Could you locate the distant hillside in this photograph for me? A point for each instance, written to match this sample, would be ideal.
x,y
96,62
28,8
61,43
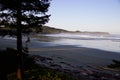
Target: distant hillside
x,y
51,30
45,30
48,30
92,33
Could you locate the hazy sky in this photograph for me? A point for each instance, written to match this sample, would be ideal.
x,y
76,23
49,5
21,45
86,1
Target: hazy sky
x,y
85,15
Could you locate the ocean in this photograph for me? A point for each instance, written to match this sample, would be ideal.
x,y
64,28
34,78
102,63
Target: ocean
x,y
109,42
60,47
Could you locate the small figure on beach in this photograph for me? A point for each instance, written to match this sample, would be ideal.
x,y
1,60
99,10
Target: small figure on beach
x,y
28,40
26,49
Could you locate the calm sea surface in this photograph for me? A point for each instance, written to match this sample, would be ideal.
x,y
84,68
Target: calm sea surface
x,y
103,42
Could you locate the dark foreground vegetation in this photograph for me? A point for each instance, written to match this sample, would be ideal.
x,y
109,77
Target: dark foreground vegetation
x,y
8,60
115,64
8,68
33,71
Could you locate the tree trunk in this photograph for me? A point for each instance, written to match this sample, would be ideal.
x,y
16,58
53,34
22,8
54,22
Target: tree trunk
x,y
20,71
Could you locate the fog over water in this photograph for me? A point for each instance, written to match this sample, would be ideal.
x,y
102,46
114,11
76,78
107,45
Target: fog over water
x,y
62,45
104,42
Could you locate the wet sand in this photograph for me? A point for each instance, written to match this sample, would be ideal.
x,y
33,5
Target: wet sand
x,y
76,56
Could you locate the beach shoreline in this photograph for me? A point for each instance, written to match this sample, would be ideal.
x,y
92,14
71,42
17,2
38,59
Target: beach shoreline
x,y
81,61
55,58
77,55
71,54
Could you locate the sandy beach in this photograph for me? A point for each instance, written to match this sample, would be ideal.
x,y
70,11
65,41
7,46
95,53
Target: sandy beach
x,y
78,61
75,56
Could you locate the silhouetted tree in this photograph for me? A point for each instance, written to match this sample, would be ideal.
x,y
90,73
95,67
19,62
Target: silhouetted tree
x,y
22,15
